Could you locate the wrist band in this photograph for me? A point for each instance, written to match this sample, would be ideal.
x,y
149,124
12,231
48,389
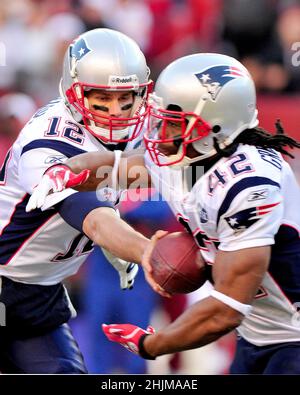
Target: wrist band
x,y
245,309
143,353
115,170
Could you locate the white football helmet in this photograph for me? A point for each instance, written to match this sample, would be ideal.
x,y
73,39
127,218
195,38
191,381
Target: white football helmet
x,y
202,96
109,60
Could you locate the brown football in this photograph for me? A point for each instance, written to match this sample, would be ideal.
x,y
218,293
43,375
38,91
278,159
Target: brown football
x,y
177,263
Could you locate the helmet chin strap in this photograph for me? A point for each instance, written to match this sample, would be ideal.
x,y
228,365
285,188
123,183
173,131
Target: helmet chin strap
x,y
229,140
185,161
116,134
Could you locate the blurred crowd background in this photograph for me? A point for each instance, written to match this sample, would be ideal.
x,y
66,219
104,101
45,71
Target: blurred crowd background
x,y
262,34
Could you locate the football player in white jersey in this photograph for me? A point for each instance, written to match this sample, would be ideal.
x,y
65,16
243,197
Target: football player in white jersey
x,y
241,208
103,89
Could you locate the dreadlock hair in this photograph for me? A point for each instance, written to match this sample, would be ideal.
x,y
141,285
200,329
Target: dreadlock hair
x,y
260,138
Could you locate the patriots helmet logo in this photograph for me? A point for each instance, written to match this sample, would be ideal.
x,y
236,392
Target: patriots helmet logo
x,y
244,219
214,78
79,49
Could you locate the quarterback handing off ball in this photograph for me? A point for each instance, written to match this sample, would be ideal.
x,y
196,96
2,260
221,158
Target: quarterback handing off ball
x,y
177,263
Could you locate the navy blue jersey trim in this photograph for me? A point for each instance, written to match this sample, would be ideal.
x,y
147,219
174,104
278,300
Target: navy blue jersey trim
x,y
60,146
284,264
240,186
76,207
20,228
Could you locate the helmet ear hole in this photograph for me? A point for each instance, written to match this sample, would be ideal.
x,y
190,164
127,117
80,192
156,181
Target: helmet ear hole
x,y
216,128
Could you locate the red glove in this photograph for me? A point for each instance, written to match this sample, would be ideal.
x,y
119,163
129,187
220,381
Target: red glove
x,y
130,336
62,177
55,179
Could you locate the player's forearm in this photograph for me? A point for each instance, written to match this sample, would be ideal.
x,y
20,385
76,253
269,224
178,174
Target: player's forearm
x,y
131,172
100,164
203,323
109,231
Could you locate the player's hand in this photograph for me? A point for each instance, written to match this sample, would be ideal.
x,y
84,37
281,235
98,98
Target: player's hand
x,y
129,336
146,263
127,270
55,179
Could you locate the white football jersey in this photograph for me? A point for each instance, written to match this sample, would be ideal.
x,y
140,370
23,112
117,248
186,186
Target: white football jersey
x,y
40,247
250,199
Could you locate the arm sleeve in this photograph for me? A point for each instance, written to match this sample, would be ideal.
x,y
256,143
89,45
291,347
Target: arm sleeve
x,y
76,207
251,223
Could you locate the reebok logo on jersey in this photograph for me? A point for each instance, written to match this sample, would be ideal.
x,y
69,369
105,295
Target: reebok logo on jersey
x,y
214,78
50,160
245,218
258,195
